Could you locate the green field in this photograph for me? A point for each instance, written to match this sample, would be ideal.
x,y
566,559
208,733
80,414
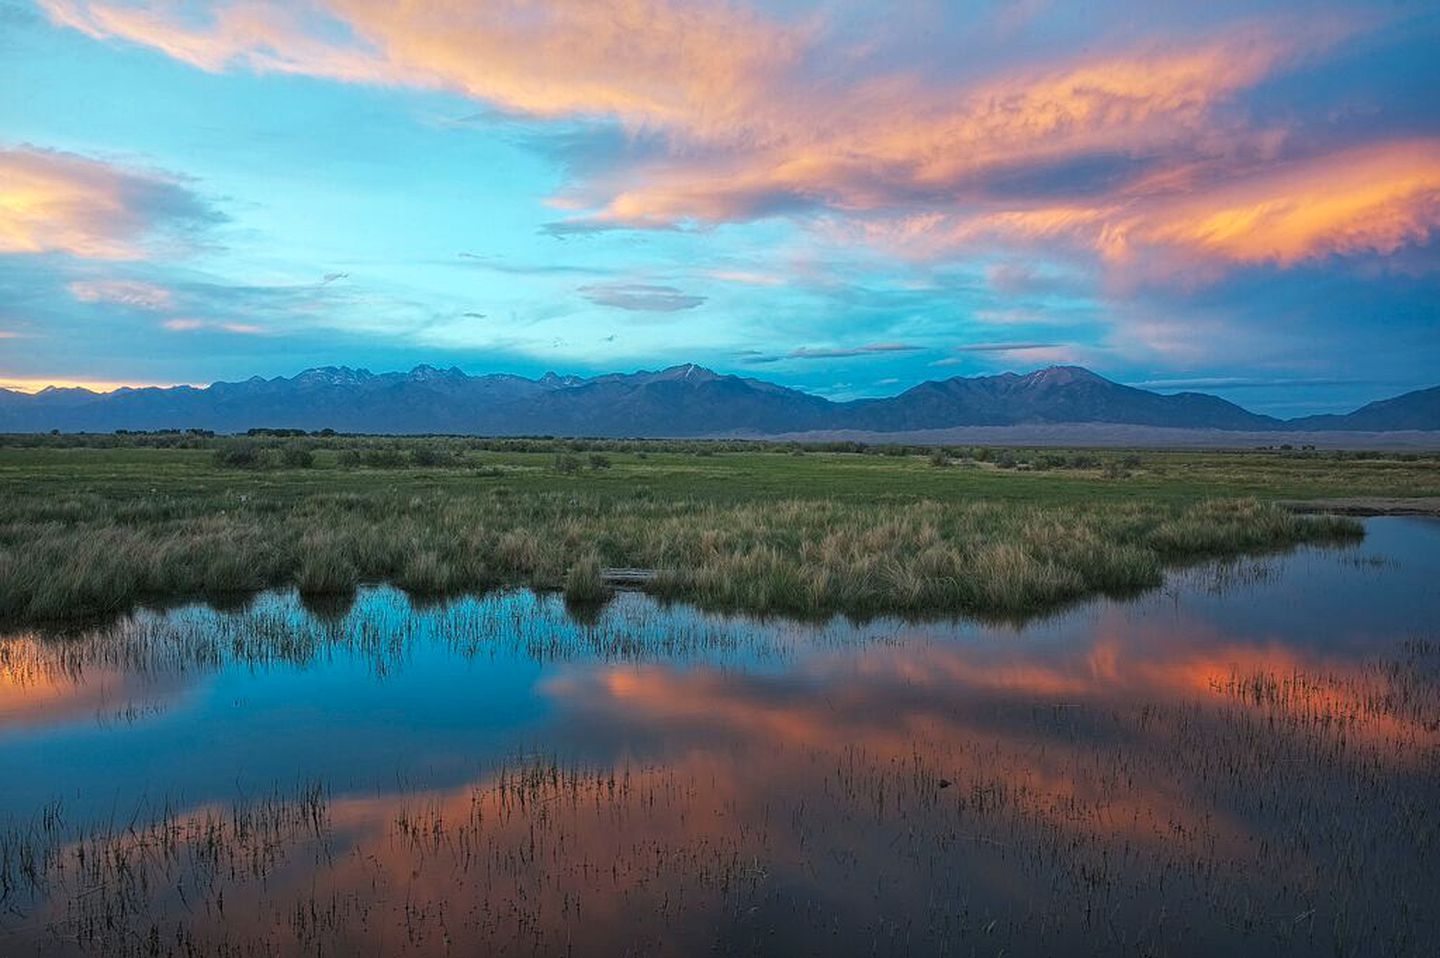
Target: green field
x,y
91,527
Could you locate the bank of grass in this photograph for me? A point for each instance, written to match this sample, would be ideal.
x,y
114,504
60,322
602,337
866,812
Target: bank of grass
x,y
90,532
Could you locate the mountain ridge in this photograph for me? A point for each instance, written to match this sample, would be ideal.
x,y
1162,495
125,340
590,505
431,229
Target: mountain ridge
x,y
686,400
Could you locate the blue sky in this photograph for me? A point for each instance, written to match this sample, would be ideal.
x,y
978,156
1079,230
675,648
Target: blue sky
x,y
1215,198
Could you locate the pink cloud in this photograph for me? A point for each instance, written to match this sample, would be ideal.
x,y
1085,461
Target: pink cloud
x,y
130,293
191,325
750,126
61,202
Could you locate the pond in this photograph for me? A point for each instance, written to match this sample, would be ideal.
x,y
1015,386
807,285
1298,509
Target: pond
x,y
1246,761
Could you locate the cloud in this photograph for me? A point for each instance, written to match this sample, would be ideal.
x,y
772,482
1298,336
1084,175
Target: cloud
x,y
1003,347
192,325
695,66
746,277
131,293
809,352
742,115
889,142
731,117
52,201
641,297
497,265
1374,199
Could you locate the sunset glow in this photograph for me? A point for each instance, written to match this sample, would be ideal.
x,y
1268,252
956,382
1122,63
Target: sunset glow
x,y
252,187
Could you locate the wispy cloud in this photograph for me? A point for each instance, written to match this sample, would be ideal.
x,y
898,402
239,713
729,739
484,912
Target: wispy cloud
x,y
1003,347
184,325
845,352
641,297
130,293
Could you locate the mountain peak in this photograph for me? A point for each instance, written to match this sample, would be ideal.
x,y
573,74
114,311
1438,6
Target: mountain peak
x,y
1063,376
331,376
425,372
691,372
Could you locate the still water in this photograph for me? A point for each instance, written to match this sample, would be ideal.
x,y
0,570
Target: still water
x,y
1245,762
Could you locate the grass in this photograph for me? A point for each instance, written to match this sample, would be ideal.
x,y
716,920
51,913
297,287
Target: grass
x,y
94,529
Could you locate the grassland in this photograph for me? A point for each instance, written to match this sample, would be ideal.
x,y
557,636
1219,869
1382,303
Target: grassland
x,y
91,527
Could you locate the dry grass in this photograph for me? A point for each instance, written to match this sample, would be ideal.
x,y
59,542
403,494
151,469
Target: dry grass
x,y
63,558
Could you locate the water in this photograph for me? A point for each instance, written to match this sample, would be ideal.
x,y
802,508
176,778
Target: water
x,y
1244,762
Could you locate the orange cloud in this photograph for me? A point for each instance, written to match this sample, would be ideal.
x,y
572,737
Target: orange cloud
x,y
60,202
1373,199
1368,200
646,61
751,129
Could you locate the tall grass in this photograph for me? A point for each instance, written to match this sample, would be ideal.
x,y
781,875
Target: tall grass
x,y
63,556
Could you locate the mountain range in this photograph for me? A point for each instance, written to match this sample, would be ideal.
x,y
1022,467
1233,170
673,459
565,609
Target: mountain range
x,y
681,401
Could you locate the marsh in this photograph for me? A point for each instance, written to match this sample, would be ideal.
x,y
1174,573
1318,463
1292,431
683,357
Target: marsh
x,y
1245,760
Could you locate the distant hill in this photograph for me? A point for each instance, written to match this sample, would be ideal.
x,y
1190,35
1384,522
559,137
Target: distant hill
x,y
1414,410
1057,394
681,401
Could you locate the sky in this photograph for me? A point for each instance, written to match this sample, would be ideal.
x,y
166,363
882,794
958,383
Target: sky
x,y
844,197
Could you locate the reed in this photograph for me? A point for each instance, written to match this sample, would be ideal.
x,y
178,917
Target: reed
x,y
77,544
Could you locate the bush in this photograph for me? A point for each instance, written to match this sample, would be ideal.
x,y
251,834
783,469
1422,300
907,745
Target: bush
x,y
240,454
297,457
386,458
426,456
566,463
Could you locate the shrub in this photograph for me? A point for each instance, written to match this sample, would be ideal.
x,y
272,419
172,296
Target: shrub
x,y
426,456
297,457
240,454
387,458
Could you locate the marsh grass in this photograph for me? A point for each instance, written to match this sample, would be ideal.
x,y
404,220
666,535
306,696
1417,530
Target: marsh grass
x,y
62,557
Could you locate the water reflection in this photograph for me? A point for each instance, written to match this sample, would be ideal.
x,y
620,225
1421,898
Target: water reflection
x,y
1247,762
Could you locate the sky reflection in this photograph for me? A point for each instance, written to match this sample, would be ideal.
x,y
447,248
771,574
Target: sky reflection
x,y
1194,766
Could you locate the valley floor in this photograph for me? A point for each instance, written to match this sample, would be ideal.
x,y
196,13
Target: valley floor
x,y
92,526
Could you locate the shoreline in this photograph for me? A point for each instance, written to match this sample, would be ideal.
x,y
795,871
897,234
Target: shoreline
x,y
1364,506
